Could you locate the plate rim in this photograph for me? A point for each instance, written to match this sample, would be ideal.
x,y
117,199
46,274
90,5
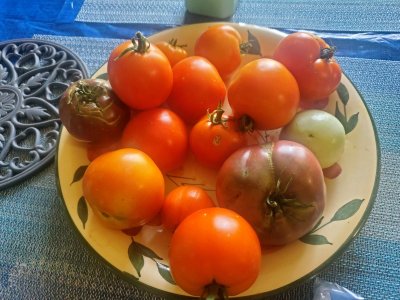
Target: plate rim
x,y
355,232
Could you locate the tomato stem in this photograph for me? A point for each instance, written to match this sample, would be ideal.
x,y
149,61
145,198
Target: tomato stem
x,y
217,116
246,124
140,45
327,53
174,43
214,291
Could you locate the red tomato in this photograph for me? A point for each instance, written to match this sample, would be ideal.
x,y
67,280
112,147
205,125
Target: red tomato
x,y
197,87
310,59
215,137
214,248
139,73
220,44
173,51
124,188
161,134
266,92
181,202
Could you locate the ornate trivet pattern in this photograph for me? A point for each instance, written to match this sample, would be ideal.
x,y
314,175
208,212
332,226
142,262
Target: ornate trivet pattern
x,y
33,76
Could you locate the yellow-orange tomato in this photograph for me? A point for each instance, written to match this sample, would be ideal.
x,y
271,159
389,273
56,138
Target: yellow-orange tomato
x,y
220,44
181,202
172,51
214,249
124,187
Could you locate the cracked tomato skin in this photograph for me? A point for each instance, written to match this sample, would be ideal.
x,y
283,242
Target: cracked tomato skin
x,y
311,61
124,187
265,91
278,188
141,80
214,246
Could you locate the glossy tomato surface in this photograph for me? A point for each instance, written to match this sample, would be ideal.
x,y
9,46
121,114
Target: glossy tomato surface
x,y
124,187
279,188
197,88
161,134
214,246
311,61
139,73
266,92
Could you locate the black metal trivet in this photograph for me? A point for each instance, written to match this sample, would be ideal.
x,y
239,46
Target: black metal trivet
x,y
33,76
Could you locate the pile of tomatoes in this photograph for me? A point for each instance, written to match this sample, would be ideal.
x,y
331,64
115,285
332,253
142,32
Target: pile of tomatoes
x,y
161,104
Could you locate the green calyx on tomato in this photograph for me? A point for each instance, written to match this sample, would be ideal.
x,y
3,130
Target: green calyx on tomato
x,y
174,43
140,44
327,53
217,116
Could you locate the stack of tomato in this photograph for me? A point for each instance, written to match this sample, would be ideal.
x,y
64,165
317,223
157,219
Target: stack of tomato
x,y
161,103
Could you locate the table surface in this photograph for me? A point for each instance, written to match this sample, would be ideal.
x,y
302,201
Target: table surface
x,y
41,255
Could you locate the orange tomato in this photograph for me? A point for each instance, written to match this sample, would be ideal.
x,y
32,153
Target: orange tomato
x,y
139,73
181,202
266,92
220,44
124,187
173,51
214,248
197,87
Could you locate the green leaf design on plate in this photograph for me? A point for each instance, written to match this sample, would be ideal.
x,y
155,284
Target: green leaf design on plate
x,y
347,210
82,211
79,174
165,272
315,239
136,257
344,212
348,124
103,76
130,276
343,93
145,251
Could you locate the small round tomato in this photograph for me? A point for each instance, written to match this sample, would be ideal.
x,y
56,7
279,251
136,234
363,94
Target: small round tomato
x,y
90,111
310,59
220,44
215,137
214,250
181,202
173,51
161,134
139,73
124,187
266,92
197,87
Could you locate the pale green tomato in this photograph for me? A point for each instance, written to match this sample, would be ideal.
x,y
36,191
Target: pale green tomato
x,y
320,132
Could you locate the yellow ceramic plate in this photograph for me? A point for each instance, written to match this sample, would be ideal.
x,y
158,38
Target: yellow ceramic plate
x,y
142,257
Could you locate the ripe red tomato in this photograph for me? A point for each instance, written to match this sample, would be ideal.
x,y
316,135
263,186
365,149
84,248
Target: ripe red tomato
x,y
139,73
90,111
197,87
124,187
278,188
181,202
311,61
173,51
160,133
220,44
215,137
266,92
214,249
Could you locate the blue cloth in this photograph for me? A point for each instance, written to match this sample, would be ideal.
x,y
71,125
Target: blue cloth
x,y
42,257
